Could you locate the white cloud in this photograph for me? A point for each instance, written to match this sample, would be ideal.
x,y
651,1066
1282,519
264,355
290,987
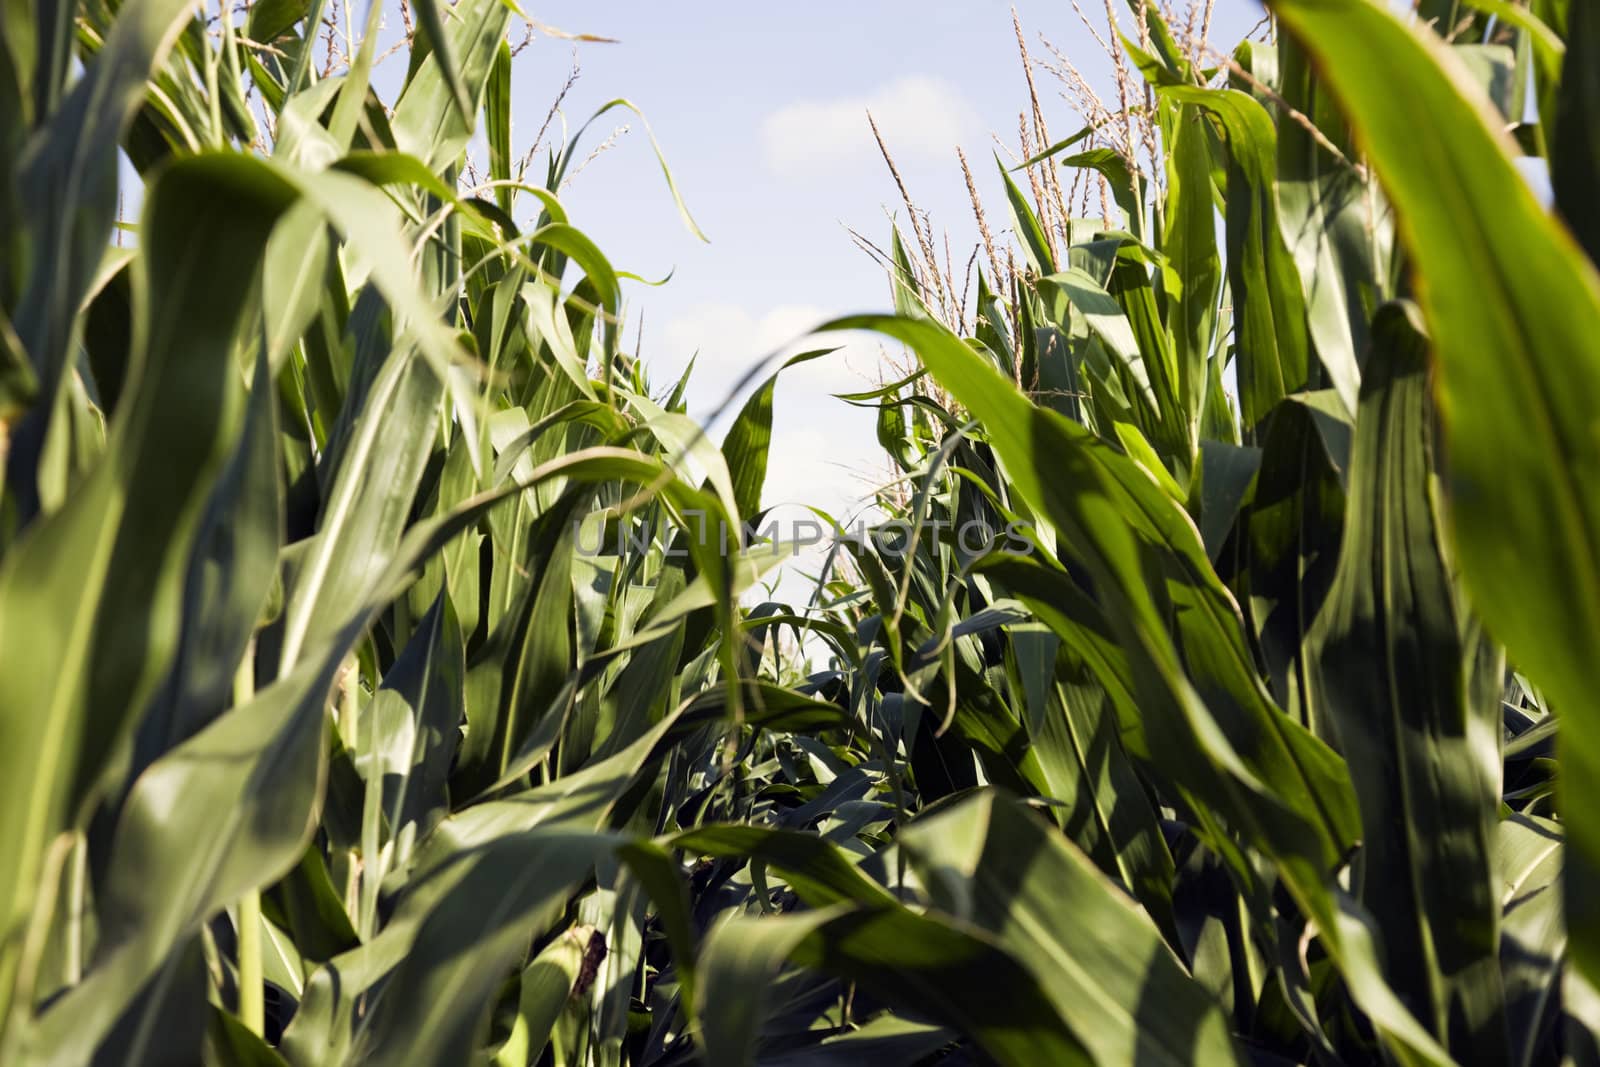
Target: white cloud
x,y
1536,172
824,452
832,467
920,117
730,340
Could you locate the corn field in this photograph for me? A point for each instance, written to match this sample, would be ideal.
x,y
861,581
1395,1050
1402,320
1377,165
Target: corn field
x,y
1252,732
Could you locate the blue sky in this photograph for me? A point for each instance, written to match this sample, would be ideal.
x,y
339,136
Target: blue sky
x,y
760,109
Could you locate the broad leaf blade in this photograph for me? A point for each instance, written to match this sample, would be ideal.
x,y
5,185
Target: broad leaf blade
x,y
1390,654
1513,306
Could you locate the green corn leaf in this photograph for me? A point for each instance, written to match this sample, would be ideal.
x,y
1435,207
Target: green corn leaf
x,y
410,735
249,783
1035,245
1193,279
661,159
1334,224
519,673
258,770
748,440
989,861
935,966
1269,305
1533,937
67,176
430,1009
347,111
367,221
368,504
19,386
88,600
1084,767
1389,651
546,985
497,123
442,50
1262,772
1124,187
1110,509
229,1041
472,888
229,577
742,957
1517,372
162,1025
930,967
1106,321
1289,534
1575,151
1226,474
272,18
434,117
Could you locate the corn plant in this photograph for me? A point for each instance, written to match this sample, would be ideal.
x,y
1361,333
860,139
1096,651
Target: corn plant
x,y
1246,664
345,551
372,691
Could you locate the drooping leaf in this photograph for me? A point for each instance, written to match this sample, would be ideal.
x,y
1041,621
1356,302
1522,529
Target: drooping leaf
x,y
1115,515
